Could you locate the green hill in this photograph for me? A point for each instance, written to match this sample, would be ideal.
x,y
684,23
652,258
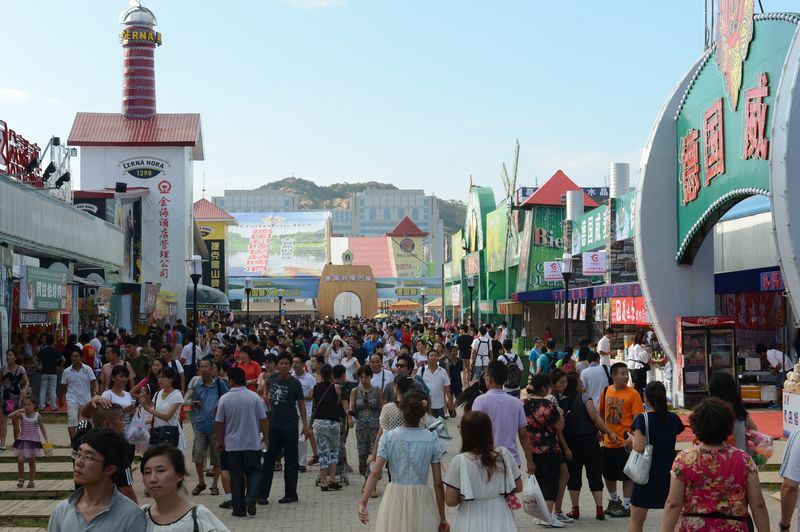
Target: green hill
x,y
313,196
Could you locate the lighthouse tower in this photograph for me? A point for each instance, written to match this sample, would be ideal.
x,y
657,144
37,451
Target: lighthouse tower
x,y
140,155
139,41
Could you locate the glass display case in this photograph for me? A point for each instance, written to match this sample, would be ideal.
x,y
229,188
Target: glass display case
x,y
706,345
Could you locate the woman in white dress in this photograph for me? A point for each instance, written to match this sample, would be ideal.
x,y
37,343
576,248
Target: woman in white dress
x,y
163,471
166,404
350,363
479,479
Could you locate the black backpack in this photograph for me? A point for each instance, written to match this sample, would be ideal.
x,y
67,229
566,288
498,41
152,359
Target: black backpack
x,y
514,373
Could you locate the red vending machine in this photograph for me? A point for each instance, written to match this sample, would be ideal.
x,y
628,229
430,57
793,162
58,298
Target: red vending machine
x,y
706,345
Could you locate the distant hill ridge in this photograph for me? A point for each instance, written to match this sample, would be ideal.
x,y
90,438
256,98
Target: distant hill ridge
x,y
313,196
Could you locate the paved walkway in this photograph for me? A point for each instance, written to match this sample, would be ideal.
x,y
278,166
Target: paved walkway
x,y
337,511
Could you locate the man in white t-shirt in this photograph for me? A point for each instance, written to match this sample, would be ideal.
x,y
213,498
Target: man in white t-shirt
x,y
391,348
510,359
80,384
604,347
779,363
307,381
481,353
438,382
380,375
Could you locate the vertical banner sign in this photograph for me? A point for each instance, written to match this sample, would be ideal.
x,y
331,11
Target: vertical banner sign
x,y
214,269
43,289
496,233
623,209
148,298
525,244
594,262
164,188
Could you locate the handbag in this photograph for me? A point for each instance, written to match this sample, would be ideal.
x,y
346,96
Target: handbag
x,y
637,468
533,501
137,429
165,434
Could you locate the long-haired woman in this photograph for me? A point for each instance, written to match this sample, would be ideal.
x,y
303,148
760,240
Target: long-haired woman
x,y
722,386
408,504
479,479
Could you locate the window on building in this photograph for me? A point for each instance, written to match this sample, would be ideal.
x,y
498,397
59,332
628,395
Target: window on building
x,y
386,214
373,215
400,213
415,214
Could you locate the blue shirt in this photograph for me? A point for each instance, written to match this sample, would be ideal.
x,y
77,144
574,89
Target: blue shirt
x,y
208,395
410,453
543,362
533,357
369,346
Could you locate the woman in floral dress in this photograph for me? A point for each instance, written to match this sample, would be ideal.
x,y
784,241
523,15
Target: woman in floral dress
x,y
713,484
544,422
365,406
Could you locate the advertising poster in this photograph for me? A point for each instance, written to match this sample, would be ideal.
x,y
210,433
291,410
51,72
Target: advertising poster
x,y
546,246
43,289
496,227
129,218
278,244
594,263
148,299
214,268
409,288
457,250
623,218
268,289
408,254
166,306
590,231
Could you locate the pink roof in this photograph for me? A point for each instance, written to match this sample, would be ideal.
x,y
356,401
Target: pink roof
x,y
113,129
373,251
553,189
206,211
406,227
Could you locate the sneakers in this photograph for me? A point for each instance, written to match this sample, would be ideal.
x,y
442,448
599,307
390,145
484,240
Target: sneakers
x,y
564,518
615,509
598,514
553,523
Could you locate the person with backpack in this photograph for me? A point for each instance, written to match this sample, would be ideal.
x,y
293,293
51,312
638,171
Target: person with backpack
x,y
596,377
481,353
548,359
514,365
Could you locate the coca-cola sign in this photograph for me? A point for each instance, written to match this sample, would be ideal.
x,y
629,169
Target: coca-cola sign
x,y
708,321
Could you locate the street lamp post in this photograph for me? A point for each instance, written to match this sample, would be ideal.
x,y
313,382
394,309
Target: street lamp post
x,y
248,288
196,275
422,295
471,287
566,273
280,305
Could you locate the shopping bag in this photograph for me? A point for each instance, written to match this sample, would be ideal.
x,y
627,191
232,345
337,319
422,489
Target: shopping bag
x,y
637,468
137,431
533,500
439,427
48,448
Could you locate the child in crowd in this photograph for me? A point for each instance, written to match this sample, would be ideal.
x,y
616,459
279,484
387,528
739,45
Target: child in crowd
x,y
28,445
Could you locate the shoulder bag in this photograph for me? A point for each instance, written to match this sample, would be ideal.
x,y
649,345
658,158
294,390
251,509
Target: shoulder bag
x,y
637,468
165,434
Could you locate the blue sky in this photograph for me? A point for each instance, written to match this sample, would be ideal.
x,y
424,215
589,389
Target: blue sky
x,y
415,93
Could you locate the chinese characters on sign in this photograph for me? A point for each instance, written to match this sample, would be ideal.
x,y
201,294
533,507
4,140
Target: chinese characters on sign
x,y
756,144
589,231
690,165
214,269
258,250
629,311
715,141
43,289
164,188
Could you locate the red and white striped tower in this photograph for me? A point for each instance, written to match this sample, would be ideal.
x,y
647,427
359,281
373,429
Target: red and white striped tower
x,y
139,41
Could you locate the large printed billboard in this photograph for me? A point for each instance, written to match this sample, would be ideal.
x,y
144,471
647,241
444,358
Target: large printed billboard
x,y
278,244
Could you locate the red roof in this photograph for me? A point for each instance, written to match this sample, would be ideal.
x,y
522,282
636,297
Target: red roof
x,y
554,188
113,129
373,251
406,227
208,212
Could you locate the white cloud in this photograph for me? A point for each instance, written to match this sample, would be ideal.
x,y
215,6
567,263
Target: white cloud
x,y
8,95
583,167
314,4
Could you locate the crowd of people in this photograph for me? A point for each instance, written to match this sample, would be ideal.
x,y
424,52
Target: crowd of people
x,y
258,400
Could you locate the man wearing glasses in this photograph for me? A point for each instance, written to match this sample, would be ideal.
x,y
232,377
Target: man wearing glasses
x,y
404,366
97,504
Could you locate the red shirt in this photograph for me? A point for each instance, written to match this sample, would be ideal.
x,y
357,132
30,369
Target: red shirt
x,y
251,372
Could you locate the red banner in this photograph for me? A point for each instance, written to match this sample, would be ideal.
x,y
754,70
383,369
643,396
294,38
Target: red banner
x,y
629,311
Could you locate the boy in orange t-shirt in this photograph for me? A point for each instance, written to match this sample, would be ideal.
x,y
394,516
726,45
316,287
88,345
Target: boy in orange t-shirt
x,y
619,406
